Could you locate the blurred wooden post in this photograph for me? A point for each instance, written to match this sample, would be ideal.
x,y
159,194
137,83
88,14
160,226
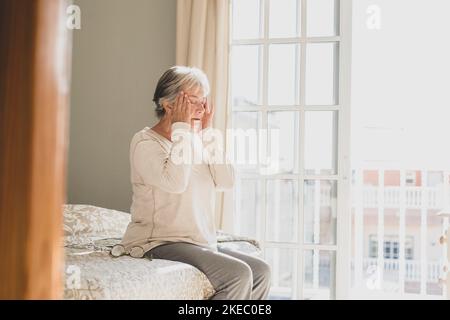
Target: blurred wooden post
x,y
35,57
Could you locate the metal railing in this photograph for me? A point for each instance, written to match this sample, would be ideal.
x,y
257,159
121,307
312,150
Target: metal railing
x,y
392,197
412,268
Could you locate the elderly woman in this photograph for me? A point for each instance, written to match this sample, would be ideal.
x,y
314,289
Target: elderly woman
x,y
172,212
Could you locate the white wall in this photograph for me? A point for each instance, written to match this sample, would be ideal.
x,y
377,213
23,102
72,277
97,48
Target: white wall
x,y
118,55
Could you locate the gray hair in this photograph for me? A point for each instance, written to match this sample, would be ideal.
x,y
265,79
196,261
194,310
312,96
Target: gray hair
x,y
173,81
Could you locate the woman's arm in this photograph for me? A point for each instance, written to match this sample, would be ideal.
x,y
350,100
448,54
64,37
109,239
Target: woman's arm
x,y
222,171
158,168
223,176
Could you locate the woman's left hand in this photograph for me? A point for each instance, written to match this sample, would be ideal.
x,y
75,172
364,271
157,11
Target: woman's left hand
x,y
208,115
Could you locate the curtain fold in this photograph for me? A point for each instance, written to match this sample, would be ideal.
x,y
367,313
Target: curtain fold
x,y
202,41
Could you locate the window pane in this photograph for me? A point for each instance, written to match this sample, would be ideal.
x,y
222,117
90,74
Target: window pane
x,y
319,271
283,263
320,207
321,74
246,19
245,75
284,150
378,199
283,18
282,210
244,148
283,74
435,256
322,18
247,198
321,142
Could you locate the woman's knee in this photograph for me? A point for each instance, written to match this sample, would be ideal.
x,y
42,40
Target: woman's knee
x,y
262,271
237,275
241,272
236,281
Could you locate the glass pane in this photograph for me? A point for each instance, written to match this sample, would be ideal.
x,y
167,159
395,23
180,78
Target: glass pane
x,y
244,149
283,263
434,252
392,131
246,19
320,207
283,74
379,197
322,18
367,247
282,210
283,18
319,274
284,150
321,74
413,217
436,191
247,197
321,142
245,75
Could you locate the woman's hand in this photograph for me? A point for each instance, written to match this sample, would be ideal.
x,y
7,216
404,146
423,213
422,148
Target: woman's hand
x,y
183,110
208,115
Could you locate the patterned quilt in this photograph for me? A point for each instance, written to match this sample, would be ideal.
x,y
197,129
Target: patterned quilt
x,y
92,273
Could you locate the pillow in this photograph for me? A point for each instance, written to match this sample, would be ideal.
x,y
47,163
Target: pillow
x,y
86,221
224,237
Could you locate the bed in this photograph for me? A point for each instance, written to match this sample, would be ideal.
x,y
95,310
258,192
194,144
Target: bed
x,y
91,273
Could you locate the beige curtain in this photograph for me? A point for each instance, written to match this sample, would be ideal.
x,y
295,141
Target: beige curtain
x,y
202,41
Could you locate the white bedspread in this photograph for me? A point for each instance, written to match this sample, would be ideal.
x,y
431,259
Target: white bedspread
x,y
92,273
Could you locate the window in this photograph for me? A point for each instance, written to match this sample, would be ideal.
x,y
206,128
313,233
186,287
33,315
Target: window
x,y
410,178
391,247
289,74
373,247
387,249
400,169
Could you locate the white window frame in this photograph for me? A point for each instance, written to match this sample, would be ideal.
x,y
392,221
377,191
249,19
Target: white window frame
x,y
343,175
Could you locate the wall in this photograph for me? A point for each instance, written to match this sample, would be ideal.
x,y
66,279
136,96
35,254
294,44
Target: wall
x,y
118,55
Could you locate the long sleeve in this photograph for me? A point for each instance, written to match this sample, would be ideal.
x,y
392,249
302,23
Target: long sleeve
x,y
222,171
157,167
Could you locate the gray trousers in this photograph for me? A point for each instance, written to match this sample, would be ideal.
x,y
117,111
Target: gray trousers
x,y
234,275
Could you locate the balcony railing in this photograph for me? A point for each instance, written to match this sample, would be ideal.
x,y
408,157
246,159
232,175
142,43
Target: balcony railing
x,y
421,274
390,269
392,197
412,268
413,197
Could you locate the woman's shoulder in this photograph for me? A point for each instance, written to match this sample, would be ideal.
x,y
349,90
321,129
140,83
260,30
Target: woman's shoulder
x,y
148,138
146,134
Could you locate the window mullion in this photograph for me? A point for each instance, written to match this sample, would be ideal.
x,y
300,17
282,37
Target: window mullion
x,y
301,162
263,118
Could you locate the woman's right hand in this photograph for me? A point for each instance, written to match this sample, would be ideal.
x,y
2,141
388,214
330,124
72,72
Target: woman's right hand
x,y
182,110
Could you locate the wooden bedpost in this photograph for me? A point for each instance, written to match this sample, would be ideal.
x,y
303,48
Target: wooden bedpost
x,y
35,48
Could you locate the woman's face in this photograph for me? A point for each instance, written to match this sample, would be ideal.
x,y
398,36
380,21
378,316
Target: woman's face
x,y
198,101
